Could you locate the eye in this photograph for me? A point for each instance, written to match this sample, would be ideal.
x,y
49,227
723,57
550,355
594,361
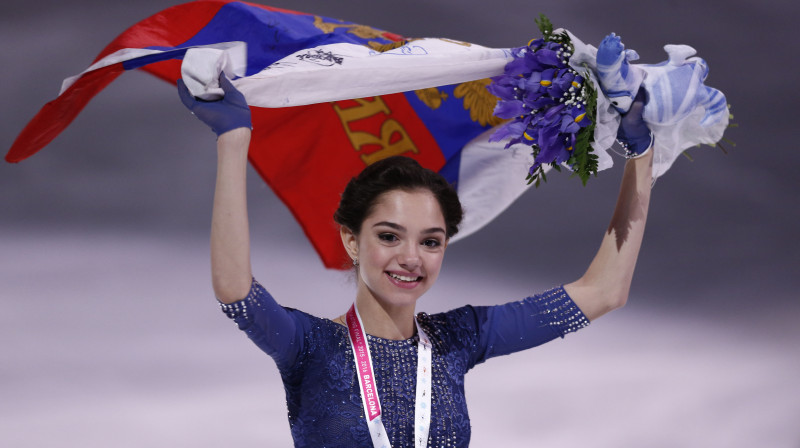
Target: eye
x,y
432,243
387,237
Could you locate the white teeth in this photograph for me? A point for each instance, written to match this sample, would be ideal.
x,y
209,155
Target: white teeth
x,y
403,278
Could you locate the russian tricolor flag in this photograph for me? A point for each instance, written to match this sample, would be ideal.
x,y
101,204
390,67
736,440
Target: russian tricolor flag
x,y
327,97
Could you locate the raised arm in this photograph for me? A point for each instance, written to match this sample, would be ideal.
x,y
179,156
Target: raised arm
x,y
229,118
607,281
231,274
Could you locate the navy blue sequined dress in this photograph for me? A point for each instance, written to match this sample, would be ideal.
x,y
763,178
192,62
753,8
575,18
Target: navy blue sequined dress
x,y
322,391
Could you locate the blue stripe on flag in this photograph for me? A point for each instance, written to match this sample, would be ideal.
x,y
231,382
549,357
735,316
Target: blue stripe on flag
x,y
450,125
270,35
451,169
149,59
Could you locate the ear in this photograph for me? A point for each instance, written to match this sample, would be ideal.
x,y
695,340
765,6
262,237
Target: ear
x,y
349,241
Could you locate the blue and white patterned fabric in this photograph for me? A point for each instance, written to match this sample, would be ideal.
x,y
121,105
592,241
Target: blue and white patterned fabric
x,y
681,111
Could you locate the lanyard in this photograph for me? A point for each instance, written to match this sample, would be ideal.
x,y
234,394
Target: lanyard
x,y
369,390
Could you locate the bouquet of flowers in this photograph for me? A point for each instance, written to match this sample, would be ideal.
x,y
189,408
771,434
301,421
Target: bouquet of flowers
x,y
552,105
551,94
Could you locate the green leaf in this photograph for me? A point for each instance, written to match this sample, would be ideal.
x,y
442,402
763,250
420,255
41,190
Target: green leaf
x,y
545,26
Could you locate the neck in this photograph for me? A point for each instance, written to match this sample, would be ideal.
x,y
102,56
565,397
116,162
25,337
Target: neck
x,y
395,323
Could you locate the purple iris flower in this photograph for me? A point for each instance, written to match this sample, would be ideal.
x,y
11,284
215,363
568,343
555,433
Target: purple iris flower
x,y
555,46
550,144
532,62
553,115
539,81
548,58
572,139
532,81
540,102
515,67
574,120
536,44
509,109
534,99
561,83
502,90
510,129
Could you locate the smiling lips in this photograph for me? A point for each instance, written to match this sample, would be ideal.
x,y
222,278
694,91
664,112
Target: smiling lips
x,y
403,281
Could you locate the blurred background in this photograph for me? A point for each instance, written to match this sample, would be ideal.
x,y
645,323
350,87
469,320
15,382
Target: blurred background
x,y
111,335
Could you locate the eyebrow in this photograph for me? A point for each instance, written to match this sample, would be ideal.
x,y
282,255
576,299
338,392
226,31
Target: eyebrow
x,y
403,229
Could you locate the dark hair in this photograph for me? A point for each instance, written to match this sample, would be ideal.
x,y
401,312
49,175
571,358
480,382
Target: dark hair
x,y
395,173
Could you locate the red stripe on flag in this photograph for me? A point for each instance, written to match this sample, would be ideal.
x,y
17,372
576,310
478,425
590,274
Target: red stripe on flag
x,y
292,149
56,115
169,70
168,28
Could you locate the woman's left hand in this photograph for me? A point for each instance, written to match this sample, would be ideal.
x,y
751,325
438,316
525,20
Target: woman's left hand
x,y
633,133
607,281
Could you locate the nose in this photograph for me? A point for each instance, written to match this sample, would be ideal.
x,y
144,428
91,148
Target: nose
x,y
409,258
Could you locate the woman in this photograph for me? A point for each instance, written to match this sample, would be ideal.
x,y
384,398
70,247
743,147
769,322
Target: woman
x,y
377,375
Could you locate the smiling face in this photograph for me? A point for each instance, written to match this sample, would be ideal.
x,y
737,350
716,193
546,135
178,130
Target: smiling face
x,y
399,249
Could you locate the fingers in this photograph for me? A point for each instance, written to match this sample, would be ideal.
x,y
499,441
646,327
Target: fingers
x,y
186,97
226,84
638,105
641,96
232,94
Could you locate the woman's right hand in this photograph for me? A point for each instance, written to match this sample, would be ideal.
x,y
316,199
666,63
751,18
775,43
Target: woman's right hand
x,y
229,118
223,115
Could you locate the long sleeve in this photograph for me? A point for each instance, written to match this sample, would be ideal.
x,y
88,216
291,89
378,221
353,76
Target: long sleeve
x,y
273,328
516,326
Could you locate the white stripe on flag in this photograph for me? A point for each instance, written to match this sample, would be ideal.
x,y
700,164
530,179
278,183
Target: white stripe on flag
x,y
343,71
490,179
236,51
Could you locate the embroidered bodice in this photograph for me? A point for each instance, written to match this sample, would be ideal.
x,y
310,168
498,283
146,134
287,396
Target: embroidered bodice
x,y
315,360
